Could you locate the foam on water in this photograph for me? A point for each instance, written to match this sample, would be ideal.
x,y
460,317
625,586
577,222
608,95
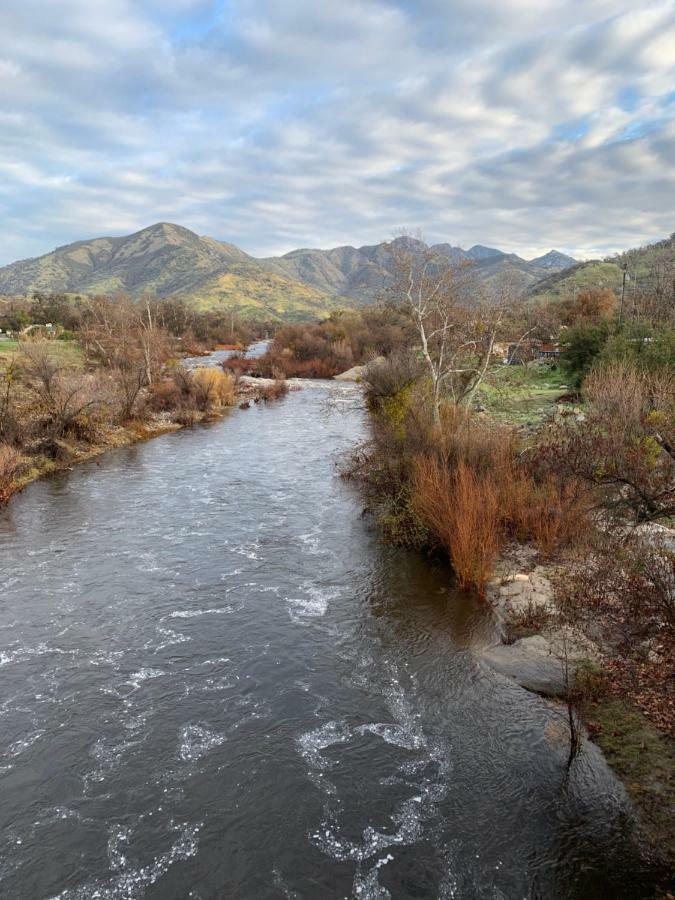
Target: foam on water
x,y
144,674
172,638
397,735
425,776
250,550
131,884
281,885
313,742
108,754
197,740
368,887
20,654
104,657
149,563
407,817
119,836
195,613
312,540
18,747
313,605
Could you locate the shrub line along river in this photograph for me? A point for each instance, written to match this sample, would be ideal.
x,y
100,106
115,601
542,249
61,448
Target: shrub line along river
x,y
217,682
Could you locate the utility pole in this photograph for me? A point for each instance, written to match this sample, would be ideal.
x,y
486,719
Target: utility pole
x,y
623,292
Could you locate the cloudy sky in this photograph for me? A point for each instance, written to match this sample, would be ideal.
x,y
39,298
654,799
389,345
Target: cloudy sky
x,y
274,124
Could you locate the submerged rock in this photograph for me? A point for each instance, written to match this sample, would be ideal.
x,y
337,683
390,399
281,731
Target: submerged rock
x,y
543,663
529,662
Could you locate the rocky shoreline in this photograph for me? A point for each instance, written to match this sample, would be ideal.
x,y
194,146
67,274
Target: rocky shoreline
x,y
544,661
546,656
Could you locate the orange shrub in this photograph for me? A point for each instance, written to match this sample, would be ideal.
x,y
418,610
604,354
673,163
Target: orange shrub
x,y
550,512
165,395
11,464
212,388
240,365
460,509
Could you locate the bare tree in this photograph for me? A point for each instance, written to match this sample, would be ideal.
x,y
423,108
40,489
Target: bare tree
x,y
127,338
66,398
572,717
457,320
8,420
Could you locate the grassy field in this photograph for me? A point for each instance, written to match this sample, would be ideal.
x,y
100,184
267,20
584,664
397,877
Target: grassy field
x,y
6,344
69,353
523,395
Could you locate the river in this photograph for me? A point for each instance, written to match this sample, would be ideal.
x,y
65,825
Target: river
x,y
216,682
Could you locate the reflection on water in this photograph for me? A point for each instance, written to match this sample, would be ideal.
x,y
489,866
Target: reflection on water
x,y
216,682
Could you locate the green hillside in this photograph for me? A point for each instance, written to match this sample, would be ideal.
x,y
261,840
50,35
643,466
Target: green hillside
x,y
169,261
265,295
644,266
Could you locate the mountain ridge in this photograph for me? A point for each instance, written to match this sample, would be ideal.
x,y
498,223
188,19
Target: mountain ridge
x,y
166,259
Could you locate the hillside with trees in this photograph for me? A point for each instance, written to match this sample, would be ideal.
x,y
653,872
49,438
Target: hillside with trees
x,y
637,274
168,260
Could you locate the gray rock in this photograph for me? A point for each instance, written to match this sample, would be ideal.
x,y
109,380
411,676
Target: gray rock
x,y
356,373
516,589
529,662
537,662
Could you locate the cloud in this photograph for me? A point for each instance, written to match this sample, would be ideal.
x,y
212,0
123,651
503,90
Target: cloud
x,y
524,124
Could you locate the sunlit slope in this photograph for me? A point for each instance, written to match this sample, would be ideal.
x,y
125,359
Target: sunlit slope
x,y
644,267
167,260
265,295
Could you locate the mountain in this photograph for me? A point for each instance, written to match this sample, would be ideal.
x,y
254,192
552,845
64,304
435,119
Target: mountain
x,y
646,268
478,251
554,260
169,260
361,273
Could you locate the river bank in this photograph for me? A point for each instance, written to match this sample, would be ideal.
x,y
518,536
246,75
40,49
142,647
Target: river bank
x,y
69,453
547,655
537,518
49,455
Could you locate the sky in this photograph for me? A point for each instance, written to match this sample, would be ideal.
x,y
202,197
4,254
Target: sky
x,y
276,124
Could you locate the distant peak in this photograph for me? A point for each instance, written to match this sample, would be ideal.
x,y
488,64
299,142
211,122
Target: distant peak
x,y
479,251
554,259
164,225
168,228
407,242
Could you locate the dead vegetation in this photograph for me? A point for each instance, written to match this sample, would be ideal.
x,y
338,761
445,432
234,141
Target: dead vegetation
x,y
465,484
56,406
460,509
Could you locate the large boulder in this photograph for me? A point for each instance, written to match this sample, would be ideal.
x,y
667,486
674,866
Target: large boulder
x,y
543,663
356,373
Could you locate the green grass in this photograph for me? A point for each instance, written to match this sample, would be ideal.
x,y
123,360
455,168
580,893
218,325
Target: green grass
x,y
597,274
644,758
523,394
69,353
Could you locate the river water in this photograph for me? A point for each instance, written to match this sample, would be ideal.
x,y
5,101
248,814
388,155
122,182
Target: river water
x,y
217,683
